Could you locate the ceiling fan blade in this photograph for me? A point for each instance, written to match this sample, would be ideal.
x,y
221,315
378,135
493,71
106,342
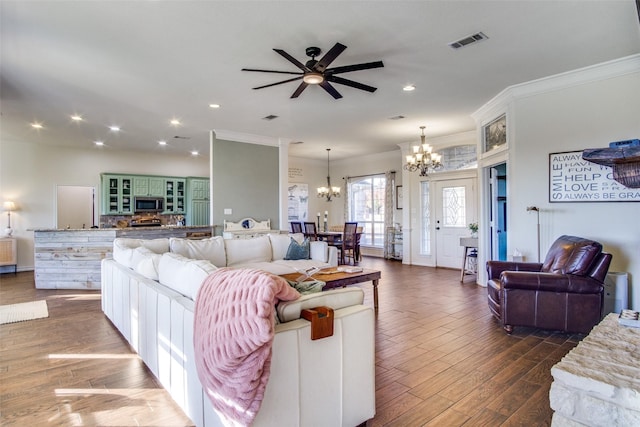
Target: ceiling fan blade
x,y
332,90
355,67
299,90
278,83
293,60
271,71
351,83
328,57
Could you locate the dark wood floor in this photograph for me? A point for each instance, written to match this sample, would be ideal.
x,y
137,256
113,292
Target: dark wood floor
x,y
441,360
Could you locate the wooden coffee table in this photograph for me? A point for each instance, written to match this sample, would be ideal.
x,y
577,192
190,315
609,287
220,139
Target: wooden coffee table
x,y
339,279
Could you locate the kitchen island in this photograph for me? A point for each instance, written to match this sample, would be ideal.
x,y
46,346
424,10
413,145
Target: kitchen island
x,y
70,258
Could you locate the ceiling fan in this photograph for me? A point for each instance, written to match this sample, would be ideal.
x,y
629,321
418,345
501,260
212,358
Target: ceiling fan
x,y
316,72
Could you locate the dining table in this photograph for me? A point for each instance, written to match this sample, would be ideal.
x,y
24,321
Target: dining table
x,y
334,237
330,236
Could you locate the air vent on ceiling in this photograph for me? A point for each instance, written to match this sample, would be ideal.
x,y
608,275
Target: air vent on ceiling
x,y
270,117
468,40
182,137
397,118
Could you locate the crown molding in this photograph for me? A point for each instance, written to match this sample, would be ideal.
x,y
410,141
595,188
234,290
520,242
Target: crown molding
x,y
230,135
606,70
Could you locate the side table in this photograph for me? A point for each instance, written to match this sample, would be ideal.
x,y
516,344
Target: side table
x,y
469,256
9,252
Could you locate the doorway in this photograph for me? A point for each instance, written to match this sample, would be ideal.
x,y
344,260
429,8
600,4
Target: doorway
x,y
75,206
455,208
498,212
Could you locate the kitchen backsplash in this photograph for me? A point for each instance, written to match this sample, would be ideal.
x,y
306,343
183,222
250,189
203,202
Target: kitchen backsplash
x,y
115,221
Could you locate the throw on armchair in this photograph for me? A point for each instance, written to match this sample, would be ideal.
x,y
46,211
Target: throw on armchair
x,y
564,293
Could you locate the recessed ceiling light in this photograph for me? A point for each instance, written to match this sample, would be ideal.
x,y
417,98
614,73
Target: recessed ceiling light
x,y
162,142
76,118
409,88
175,122
99,143
194,153
214,105
36,125
114,128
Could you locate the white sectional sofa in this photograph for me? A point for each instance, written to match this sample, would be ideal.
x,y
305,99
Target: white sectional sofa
x,y
148,293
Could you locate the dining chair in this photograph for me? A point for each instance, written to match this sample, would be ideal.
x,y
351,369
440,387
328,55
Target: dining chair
x,y
310,230
296,227
349,245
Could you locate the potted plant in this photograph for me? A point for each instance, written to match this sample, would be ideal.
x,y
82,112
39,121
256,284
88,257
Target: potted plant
x,y
474,229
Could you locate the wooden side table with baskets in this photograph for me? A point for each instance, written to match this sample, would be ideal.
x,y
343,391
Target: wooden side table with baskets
x,y
9,252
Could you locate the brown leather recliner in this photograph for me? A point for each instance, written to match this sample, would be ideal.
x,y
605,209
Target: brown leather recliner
x,y
564,293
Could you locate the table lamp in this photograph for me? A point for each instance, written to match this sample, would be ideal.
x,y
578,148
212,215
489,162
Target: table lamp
x,y
8,206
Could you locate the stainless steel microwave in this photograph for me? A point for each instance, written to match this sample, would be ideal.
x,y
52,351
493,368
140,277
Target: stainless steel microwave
x,y
149,204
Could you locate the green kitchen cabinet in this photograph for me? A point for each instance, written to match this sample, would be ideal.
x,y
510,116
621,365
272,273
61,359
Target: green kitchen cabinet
x,y
152,186
175,195
198,202
117,194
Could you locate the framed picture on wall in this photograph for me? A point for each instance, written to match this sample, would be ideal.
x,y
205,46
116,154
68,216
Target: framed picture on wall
x,y
398,196
298,202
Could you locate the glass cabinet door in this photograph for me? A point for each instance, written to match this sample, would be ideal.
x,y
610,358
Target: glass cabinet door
x,y
174,195
118,192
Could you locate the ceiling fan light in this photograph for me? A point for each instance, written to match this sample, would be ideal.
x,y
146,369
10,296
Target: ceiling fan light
x,y
313,78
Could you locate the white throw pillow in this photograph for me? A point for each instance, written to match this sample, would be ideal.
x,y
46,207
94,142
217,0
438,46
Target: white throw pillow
x,y
123,249
182,274
335,298
211,249
242,251
146,262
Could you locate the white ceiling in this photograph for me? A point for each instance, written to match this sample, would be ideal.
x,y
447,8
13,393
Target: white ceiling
x,y
138,64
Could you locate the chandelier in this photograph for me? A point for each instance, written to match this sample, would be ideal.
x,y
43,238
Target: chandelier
x,y
328,191
422,158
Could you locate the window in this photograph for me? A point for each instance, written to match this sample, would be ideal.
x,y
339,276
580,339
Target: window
x,y
453,207
495,134
425,246
366,206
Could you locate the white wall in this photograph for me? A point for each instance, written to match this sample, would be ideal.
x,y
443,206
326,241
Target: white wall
x,y
314,174
29,174
574,117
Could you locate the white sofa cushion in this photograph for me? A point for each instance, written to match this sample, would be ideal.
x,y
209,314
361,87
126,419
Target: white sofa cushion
x,y
211,249
319,251
146,262
124,249
243,251
182,274
280,243
335,298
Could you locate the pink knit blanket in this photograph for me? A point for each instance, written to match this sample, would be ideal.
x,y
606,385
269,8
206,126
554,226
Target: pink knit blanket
x,y
233,332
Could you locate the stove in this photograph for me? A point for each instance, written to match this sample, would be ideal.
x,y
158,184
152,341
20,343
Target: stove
x,y
146,222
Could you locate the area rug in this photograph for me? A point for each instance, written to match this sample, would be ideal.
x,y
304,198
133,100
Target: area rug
x,y
24,311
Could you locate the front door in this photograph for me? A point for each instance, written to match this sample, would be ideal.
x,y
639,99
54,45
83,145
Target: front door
x,y
455,209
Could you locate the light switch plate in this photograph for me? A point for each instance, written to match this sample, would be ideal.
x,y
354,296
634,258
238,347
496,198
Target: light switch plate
x,y
228,211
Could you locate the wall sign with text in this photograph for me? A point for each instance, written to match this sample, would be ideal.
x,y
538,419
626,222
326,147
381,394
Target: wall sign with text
x,y
573,179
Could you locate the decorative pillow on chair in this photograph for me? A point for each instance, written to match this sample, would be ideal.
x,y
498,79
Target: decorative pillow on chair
x,y
297,250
